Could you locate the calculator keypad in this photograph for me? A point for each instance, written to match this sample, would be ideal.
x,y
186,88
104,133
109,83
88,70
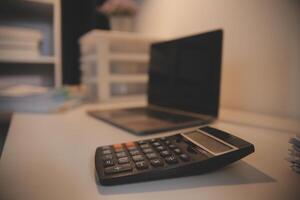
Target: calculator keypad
x,y
108,151
107,157
108,163
160,148
166,157
118,169
147,150
134,152
121,154
141,165
142,155
138,158
157,162
171,159
151,155
123,160
184,157
165,153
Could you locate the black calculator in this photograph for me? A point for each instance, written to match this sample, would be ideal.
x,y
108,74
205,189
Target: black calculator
x,y
188,153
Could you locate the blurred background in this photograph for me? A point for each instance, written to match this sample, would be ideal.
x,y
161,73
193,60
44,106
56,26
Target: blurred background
x,y
261,62
49,43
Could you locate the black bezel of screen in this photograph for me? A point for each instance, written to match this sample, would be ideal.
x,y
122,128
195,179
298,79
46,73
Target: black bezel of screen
x,y
185,73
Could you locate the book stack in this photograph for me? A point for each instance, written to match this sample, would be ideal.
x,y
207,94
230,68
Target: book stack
x,y
294,153
27,98
19,42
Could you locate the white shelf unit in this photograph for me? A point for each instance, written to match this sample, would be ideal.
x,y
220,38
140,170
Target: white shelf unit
x,y
51,59
114,64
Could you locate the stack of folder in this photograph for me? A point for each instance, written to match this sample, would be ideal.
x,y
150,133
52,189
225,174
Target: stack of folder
x,y
26,98
19,42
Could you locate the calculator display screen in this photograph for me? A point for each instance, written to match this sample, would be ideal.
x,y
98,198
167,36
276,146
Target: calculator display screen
x,y
208,142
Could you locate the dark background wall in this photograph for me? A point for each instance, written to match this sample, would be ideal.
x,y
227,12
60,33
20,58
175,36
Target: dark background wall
x,y
78,17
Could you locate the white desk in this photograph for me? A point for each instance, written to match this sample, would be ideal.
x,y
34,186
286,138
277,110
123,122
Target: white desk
x,y
52,157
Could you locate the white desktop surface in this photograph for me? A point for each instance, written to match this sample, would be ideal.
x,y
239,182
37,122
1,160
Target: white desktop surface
x,y
52,157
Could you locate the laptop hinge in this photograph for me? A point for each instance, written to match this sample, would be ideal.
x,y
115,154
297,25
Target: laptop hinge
x,y
177,111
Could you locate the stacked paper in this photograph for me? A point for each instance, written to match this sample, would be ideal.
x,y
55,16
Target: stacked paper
x,y
294,154
26,98
20,42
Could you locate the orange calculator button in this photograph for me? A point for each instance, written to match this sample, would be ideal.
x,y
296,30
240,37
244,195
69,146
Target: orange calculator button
x,y
130,144
117,146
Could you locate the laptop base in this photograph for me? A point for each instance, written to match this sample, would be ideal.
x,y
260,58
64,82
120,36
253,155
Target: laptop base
x,y
146,120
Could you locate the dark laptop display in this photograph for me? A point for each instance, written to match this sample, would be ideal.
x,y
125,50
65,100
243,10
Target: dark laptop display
x,y
183,88
185,73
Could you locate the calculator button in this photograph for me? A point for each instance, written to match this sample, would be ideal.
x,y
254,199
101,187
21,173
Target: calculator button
x,y
104,152
134,152
177,151
172,146
123,160
151,156
143,146
132,148
153,140
167,142
107,157
138,158
156,144
117,146
142,165
121,154
130,144
160,148
118,169
163,138
147,150
191,150
141,142
165,153
108,163
178,139
119,150
184,157
156,162
105,148
171,159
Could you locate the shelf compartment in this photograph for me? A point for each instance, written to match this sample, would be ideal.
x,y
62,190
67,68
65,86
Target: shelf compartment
x,y
127,89
129,47
128,68
122,60
129,57
33,60
88,58
91,90
129,78
89,70
31,74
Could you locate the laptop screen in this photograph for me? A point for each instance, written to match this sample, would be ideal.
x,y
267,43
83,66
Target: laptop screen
x,y
184,74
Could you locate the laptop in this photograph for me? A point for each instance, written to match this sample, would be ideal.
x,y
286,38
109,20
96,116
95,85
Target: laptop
x,y
183,88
